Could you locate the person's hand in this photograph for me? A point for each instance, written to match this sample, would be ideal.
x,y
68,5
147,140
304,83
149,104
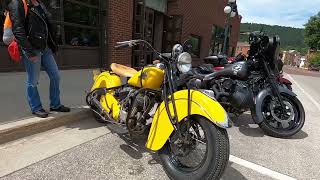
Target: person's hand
x,y
34,58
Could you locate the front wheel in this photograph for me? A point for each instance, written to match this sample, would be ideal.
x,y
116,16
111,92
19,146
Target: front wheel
x,y
201,153
284,121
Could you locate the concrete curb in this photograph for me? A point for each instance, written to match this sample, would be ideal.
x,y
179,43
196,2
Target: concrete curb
x,y
19,129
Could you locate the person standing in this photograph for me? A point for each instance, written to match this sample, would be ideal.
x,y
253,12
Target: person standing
x,y
35,37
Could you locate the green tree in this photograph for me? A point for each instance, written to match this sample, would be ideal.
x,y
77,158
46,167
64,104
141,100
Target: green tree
x,y
315,60
291,38
312,32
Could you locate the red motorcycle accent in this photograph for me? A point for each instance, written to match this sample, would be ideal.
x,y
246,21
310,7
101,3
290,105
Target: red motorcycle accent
x,y
283,80
218,68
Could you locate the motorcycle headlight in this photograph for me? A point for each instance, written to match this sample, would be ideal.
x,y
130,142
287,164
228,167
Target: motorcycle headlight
x,y
184,62
177,50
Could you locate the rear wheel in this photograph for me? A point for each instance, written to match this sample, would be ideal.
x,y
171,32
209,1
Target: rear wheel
x,y
97,116
93,108
282,121
204,155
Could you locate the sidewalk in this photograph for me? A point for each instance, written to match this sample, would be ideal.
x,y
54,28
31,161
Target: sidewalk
x,y
13,102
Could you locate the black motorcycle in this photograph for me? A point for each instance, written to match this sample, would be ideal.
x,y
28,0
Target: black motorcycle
x,y
252,84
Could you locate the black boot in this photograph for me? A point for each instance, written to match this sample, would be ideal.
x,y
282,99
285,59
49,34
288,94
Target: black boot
x,y
41,113
62,108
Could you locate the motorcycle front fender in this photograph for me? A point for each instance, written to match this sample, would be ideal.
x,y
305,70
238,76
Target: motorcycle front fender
x,y
200,104
257,111
285,81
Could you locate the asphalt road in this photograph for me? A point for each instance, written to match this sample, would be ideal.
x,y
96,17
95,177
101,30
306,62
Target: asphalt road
x,y
91,151
13,101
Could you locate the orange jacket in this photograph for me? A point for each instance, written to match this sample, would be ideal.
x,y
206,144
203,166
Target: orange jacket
x,y
8,36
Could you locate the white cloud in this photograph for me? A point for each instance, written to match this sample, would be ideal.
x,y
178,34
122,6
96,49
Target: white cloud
x,y
294,13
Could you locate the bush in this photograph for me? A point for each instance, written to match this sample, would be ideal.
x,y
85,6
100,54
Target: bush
x,y
315,60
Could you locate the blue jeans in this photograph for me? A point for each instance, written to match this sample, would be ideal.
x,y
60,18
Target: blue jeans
x,y
47,61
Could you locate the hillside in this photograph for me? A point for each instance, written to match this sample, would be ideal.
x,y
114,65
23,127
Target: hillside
x,y
291,38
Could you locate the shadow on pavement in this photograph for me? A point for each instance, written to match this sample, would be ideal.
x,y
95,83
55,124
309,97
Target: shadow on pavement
x,y
248,127
134,145
232,174
300,135
135,148
87,124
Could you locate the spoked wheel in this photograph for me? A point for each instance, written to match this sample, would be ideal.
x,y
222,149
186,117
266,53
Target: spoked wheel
x,y
201,153
282,121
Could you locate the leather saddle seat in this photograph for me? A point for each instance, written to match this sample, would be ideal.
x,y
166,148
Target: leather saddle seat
x,y
122,70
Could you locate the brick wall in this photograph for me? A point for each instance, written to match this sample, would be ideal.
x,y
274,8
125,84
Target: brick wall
x,y
198,18
120,16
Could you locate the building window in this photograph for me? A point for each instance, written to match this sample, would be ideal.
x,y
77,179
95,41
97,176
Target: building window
x,y
172,32
76,21
80,13
196,45
76,36
216,44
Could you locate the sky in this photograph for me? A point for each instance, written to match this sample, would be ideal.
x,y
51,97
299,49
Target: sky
x,y
292,13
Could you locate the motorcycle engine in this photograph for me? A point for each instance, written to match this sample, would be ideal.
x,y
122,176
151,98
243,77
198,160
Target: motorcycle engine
x,y
240,98
232,94
123,93
139,112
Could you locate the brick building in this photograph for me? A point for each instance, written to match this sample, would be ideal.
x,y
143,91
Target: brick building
x,y
89,29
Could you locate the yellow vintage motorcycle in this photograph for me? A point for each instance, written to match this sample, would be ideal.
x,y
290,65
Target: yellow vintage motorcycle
x,y
187,127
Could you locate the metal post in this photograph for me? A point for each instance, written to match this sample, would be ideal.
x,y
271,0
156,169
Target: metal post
x,y
226,36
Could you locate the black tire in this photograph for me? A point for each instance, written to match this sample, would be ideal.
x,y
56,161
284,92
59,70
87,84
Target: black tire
x,y
215,160
94,110
97,117
299,118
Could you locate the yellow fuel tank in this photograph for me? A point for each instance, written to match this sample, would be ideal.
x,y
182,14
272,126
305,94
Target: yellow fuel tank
x,y
148,77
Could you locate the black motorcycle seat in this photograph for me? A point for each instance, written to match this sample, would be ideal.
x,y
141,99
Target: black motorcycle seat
x,y
205,68
216,60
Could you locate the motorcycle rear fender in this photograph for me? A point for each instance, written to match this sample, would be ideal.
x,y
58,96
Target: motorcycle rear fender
x,y
200,104
108,102
106,80
257,111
